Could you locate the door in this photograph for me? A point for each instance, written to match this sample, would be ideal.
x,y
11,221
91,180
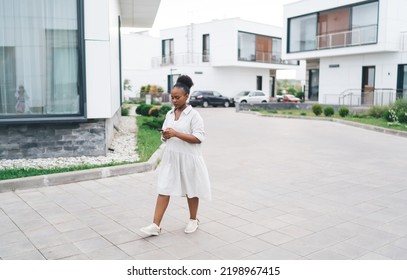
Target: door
x,y
402,81
272,86
368,79
313,84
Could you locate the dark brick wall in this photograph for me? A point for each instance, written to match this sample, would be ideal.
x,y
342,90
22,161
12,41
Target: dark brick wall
x,y
53,140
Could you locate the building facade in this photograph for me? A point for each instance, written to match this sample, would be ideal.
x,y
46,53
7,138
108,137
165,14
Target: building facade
x,y
60,74
355,50
227,56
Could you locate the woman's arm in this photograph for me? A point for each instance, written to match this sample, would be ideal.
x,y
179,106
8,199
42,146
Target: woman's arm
x,y
189,138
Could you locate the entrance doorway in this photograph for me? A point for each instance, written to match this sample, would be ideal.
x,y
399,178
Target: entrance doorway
x,y
368,79
272,86
402,81
313,84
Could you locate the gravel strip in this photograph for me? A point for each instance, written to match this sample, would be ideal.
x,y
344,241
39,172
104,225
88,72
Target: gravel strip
x,y
122,149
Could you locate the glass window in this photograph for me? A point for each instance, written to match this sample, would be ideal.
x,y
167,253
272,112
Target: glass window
x,y
205,48
247,46
39,58
259,48
333,27
276,51
364,23
263,48
168,51
302,33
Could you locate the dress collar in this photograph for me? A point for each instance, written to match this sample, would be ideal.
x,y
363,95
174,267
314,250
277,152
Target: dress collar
x,y
186,111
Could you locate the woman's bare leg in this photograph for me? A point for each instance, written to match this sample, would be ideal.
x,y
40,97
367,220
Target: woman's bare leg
x,y
193,207
160,207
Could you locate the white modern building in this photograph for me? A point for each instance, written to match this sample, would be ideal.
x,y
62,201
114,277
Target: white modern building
x,y
355,50
227,56
60,74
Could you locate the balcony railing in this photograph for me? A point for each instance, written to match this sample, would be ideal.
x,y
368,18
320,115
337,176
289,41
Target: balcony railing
x,y
356,37
199,58
355,97
180,59
275,58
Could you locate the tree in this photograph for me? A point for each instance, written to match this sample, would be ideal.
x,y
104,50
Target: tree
x,y
127,85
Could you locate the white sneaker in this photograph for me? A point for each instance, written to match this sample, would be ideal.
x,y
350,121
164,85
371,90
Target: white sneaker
x,y
152,229
191,226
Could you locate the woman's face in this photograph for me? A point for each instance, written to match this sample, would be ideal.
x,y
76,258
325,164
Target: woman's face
x,y
178,97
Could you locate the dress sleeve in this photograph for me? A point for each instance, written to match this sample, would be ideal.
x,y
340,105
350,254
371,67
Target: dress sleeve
x,y
164,126
197,127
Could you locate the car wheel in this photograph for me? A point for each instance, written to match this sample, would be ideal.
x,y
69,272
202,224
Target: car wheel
x,y
243,101
205,104
264,101
226,104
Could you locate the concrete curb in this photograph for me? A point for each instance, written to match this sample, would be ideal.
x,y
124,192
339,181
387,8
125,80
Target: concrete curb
x,y
82,175
359,125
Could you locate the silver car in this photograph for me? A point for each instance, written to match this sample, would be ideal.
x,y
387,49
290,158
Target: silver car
x,y
250,96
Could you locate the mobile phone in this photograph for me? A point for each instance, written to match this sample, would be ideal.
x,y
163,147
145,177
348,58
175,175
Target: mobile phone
x,y
160,129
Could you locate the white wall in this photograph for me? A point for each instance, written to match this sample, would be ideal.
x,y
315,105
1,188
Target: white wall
x,y
102,58
223,73
334,81
392,21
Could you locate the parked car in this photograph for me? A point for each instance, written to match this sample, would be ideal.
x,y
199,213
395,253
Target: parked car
x,y
250,96
206,98
279,98
290,98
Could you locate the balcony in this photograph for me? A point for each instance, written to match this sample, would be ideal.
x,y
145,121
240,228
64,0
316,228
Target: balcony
x,y
180,59
267,57
356,37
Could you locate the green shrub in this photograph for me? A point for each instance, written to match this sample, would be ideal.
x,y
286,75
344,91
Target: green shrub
x,y
303,114
329,111
164,109
291,90
300,95
400,107
378,111
343,112
143,109
359,116
154,111
402,117
154,123
317,109
125,111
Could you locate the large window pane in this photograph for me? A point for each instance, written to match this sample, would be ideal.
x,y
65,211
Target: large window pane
x,y
364,23
259,48
333,27
205,48
247,46
303,31
167,51
39,58
263,48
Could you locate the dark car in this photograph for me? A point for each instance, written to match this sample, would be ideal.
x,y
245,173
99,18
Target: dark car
x,y
207,98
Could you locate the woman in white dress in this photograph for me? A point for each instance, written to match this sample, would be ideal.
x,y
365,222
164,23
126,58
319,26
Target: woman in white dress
x,y
182,170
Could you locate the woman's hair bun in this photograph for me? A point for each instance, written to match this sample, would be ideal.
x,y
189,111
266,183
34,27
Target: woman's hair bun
x,y
185,80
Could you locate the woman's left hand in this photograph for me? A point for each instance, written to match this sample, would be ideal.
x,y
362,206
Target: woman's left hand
x,y
168,133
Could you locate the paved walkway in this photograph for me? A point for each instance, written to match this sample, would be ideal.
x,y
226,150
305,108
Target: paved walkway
x,y
282,189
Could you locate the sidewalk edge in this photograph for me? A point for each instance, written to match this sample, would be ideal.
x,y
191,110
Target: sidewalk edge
x,y
81,175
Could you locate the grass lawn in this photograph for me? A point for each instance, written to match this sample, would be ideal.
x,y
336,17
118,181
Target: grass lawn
x,y
148,140
380,122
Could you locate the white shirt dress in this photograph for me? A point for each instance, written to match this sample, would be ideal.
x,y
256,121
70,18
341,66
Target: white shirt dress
x,y
183,171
